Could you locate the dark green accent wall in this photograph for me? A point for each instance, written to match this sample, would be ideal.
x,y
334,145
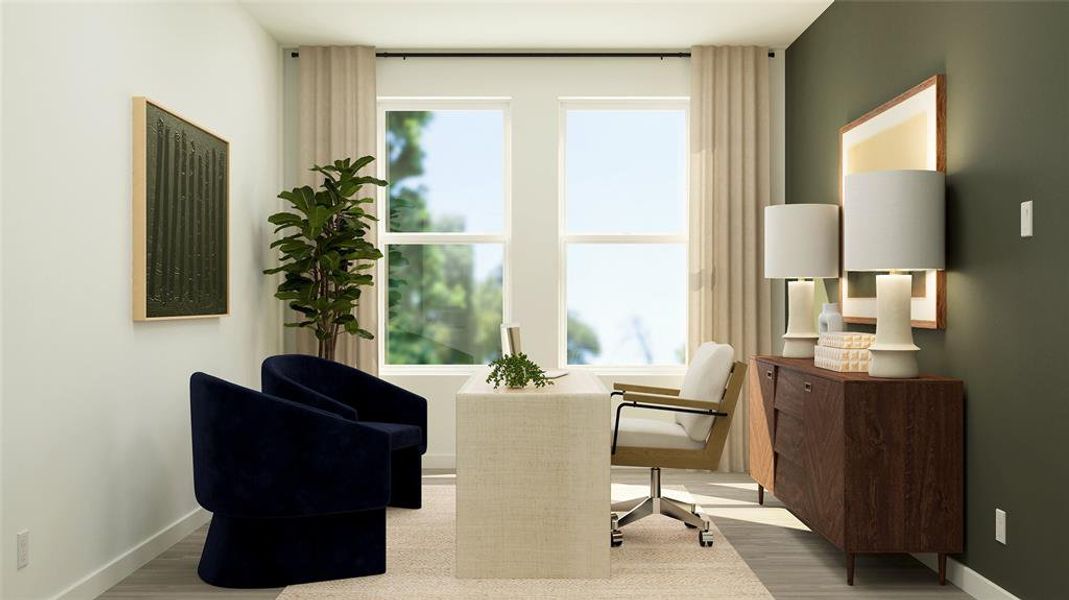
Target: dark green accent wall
x,y
1007,68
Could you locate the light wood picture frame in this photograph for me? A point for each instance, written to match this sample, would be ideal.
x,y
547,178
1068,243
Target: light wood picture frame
x,y
906,132
181,217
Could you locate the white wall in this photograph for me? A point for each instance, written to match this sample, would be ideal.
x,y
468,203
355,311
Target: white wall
x,y
95,434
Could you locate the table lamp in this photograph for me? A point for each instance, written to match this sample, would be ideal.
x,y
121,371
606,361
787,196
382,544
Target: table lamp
x,y
894,221
801,242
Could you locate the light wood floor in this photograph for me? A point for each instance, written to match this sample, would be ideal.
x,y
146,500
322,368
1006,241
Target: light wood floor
x,y
788,559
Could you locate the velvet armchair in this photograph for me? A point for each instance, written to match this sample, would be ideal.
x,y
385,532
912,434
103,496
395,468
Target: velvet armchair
x,y
297,491
368,400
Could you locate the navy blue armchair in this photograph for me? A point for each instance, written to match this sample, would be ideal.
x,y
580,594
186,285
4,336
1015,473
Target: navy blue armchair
x,y
368,400
298,491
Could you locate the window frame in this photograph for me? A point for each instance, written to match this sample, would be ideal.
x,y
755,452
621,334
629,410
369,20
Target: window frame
x,y
620,104
386,238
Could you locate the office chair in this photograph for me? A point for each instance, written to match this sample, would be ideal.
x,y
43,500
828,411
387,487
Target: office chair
x,y
703,408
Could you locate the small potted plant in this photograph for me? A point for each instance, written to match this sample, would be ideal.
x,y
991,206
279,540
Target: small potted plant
x,y
516,371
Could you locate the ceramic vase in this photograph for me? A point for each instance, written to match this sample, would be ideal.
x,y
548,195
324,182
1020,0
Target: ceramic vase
x,y
830,318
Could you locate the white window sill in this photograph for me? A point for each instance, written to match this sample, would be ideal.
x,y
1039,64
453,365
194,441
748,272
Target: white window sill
x,y
468,370
429,370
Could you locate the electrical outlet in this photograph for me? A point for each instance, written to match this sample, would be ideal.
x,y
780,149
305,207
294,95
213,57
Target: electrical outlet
x,y
1026,219
23,552
1000,526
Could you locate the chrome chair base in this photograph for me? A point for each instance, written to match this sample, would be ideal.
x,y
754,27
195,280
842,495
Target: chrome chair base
x,y
640,508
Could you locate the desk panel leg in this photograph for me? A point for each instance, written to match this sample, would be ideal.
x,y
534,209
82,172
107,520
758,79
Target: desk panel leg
x,y
942,568
850,568
760,494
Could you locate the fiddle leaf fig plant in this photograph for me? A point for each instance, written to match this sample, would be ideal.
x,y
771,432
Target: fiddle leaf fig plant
x,y
516,371
326,257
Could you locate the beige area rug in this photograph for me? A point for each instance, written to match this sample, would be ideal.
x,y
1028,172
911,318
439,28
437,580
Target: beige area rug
x,y
659,559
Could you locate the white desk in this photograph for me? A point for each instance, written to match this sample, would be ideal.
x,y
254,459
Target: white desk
x,y
533,479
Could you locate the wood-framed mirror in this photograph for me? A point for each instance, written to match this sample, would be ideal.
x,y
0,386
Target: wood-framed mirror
x,y
906,132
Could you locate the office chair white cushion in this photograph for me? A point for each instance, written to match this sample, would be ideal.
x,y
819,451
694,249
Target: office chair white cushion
x,y
705,380
655,433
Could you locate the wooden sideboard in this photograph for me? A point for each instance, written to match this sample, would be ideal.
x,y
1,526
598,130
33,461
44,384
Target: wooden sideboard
x,y
873,465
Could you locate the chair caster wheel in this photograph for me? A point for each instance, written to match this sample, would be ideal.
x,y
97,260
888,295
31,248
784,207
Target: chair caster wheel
x,y
705,539
616,537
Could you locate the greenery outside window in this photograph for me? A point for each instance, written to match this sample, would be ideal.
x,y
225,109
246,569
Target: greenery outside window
x,y
444,231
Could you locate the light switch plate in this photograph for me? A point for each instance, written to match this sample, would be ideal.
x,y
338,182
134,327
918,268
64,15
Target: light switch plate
x,y
22,553
1026,219
1000,526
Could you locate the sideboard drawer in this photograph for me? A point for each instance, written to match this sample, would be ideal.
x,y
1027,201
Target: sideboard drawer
x,y
795,390
791,485
790,436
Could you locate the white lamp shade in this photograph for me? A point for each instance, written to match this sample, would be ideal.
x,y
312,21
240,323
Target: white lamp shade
x,y
801,240
894,220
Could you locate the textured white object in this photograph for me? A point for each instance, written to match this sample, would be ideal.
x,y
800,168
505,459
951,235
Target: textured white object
x,y
893,353
894,220
844,360
801,240
654,433
801,334
533,479
705,380
846,339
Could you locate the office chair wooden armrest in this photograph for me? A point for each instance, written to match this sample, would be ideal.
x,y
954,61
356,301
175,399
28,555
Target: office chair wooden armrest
x,y
640,398
645,389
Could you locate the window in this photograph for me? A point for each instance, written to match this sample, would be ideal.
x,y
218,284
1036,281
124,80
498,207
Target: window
x,y
444,230
624,237
601,226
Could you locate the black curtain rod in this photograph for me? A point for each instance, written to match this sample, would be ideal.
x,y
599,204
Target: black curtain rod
x,y
406,55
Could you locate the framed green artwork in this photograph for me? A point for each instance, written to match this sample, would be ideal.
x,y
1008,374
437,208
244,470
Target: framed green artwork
x,y
181,197
906,132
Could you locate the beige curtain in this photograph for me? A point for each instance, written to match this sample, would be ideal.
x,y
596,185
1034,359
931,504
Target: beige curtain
x,y
729,300
336,107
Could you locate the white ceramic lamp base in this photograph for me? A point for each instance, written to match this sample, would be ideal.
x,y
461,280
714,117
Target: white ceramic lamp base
x,y
801,336
893,354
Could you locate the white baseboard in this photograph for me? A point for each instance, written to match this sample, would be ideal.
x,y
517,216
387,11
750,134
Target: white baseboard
x,y
970,582
439,461
99,581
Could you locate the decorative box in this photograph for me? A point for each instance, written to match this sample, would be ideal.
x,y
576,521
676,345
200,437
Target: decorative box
x,y
843,360
846,339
